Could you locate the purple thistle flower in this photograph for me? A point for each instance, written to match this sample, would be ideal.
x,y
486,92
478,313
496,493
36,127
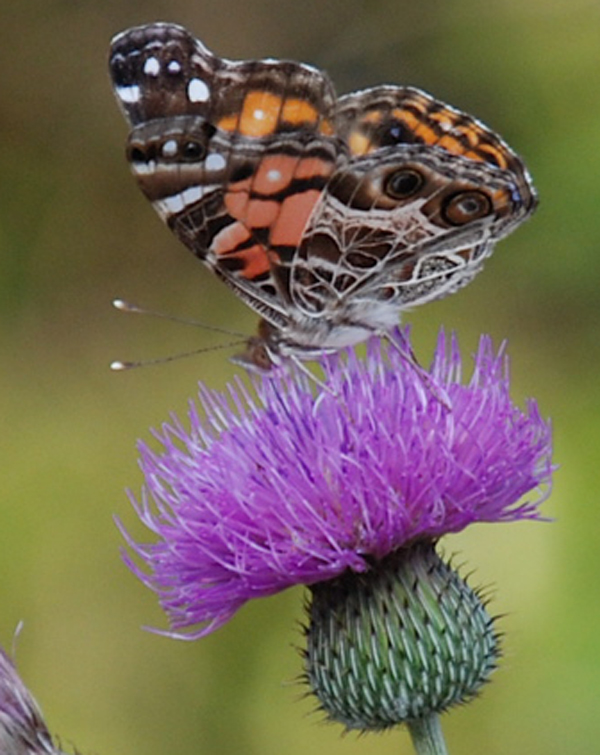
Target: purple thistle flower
x,y
299,485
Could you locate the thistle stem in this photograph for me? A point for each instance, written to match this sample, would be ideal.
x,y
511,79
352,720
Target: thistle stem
x,y
426,735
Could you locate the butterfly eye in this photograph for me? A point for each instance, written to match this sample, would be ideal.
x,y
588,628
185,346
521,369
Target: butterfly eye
x,y
466,206
192,151
403,183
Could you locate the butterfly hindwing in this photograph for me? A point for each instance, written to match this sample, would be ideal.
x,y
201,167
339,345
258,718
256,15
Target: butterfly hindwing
x,y
424,196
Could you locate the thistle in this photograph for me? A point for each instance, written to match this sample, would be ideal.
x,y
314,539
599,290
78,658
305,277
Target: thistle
x,y
348,491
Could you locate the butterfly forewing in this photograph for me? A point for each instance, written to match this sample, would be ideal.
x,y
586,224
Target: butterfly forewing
x,y
233,156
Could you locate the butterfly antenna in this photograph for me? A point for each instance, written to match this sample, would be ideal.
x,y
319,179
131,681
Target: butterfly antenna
x,y
126,306
118,366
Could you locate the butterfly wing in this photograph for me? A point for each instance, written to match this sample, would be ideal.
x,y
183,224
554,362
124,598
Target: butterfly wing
x,y
424,196
233,155
387,116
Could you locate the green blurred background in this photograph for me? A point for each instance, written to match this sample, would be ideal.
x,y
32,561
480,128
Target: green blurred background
x,y
76,232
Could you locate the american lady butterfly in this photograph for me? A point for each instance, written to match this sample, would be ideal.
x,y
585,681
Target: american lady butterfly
x,y
328,216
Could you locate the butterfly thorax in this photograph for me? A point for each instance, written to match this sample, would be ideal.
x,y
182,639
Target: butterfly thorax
x,y
272,346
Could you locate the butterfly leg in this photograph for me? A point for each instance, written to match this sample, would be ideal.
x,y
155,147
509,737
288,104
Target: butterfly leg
x,y
405,350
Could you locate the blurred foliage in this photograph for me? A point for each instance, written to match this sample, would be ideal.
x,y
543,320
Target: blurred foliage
x,y
75,232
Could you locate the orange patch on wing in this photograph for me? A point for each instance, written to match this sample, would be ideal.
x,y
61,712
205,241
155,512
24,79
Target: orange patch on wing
x,y
326,127
451,144
473,155
498,155
255,261
274,173
293,216
404,114
472,133
359,143
314,166
236,202
419,101
426,133
501,200
444,118
261,213
230,238
260,114
416,125
229,122
373,117
296,112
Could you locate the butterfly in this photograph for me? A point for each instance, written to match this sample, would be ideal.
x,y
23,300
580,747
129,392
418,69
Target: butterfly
x,y
327,215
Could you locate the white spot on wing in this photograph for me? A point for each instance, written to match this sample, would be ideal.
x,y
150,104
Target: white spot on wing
x,y
174,66
274,175
191,195
169,148
215,161
171,204
152,67
178,202
144,169
130,94
259,114
198,91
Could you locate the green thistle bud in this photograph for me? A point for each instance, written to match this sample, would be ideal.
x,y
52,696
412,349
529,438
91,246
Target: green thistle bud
x,y
399,643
